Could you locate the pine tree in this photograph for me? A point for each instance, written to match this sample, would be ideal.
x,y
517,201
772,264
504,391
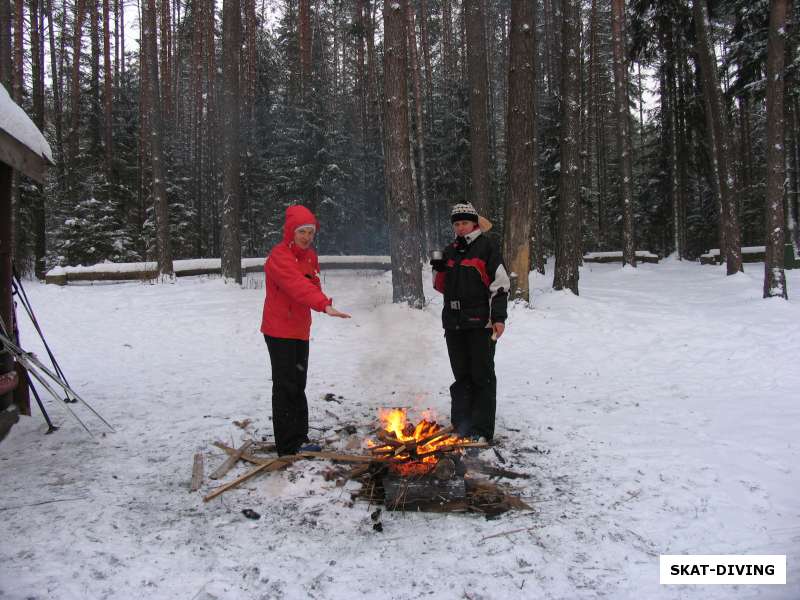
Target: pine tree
x,y
231,245
566,270
522,145
774,276
406,273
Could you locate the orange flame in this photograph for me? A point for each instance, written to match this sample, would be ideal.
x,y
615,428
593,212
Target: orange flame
x,y
419,459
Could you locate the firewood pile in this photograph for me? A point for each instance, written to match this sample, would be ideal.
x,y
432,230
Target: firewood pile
x,y
422,467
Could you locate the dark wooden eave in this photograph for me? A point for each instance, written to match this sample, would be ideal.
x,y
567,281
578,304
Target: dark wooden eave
x,y
18,156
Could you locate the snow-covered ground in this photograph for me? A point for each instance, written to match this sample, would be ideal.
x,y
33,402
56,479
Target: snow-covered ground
x,y
658,413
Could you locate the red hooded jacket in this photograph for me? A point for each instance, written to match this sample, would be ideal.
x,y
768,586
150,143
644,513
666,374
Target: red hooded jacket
x,y
292,282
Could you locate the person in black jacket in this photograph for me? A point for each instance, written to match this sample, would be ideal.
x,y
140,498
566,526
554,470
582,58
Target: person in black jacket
x,y
471,275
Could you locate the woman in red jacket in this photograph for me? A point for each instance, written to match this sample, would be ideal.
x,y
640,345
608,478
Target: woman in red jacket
x,y
293,289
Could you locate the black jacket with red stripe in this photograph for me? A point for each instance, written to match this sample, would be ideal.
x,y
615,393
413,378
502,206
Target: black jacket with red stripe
x,y
474,283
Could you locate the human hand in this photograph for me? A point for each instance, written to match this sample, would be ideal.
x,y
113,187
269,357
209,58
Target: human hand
x,y
329,310
497,330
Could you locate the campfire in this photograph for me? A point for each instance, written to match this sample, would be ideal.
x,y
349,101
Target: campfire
x,y
420,466
414,450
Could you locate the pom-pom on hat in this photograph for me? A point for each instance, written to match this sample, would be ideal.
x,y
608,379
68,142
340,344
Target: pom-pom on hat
x,y
463,212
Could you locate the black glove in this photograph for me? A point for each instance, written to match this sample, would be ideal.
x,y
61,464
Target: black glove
x,y
439,264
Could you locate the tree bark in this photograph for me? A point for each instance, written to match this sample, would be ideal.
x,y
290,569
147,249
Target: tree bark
x,y
93,117
55,83
623,130
406,273
304,39
522,143
5,45
793,164
447,45
231,244
774,276
108,93
425,219
17,85
166,61
37,77
566,270
18,77
211,168
478,107
425,41
719,143
152,92
73,136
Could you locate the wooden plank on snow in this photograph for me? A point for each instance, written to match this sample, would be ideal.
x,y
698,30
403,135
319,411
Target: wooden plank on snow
x,y
197,472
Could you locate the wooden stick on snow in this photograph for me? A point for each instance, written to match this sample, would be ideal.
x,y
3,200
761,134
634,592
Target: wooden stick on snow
x,y
272,465
230,461
246,456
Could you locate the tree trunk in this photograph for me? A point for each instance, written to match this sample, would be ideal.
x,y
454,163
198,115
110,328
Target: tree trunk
x,y
18,76
623,130
447,45
121,38
590,149
166,61
117,53
373,109
669,130
719,143
774,276
304,38
682,149
478,108
17,85
211,168
93,117
56,79
37,77
406,274
522,143
231,43
793,165
425,219
5,45
108,119
425,41
197,111
152,92
566,270
73,136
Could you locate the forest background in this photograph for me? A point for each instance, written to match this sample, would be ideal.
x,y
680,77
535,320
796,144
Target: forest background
x,y
574,125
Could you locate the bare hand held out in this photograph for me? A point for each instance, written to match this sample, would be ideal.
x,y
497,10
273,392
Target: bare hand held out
x,y
329,310
497,330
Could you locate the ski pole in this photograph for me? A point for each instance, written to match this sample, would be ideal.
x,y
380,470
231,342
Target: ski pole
x,y
34,365
20,290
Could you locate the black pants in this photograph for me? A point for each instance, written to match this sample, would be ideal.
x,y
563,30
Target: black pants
x,y
474,393
289,361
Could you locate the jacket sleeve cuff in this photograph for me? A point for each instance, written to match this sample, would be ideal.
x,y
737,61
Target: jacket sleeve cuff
x,y
323,305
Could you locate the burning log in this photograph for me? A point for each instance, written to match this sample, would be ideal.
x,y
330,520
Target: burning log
x,y
387,439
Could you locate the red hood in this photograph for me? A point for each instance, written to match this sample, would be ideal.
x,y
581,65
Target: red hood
x,y
296,216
